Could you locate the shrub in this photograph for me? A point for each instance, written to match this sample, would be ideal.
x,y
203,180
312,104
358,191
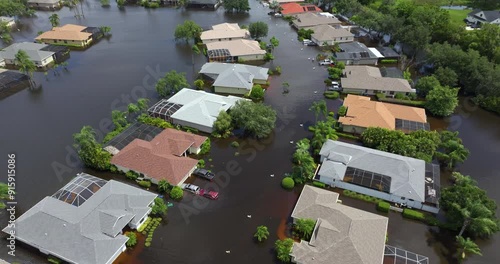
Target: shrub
x,y
205,147
270,72
131,175
201,163
132,239
399,96
235,144
54,260
342,111
148,239
199,84
432,221
388,61
331,113
380,96
257,92
268,57
288,183
147,244
176,193
383,206
154,121
412,214
277,70
153,5
331,94
145,184
319,184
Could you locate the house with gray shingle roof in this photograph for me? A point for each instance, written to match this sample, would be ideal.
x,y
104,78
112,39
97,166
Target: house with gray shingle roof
x,y
342,234
394,178
83,221
45,4
368,80
234,78
35,51
480,17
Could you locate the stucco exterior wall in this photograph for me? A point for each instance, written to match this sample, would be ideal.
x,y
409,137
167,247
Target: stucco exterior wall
x,y
220,39
353,129
252,57
360,62
332,42
79,43
230,90
203,128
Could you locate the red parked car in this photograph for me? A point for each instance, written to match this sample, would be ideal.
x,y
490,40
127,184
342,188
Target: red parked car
x,y
209,194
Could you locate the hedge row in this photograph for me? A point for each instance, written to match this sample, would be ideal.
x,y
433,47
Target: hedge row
x,y
331,94
349,136
388,61
403,102
383,206
318,184
360,196
412,214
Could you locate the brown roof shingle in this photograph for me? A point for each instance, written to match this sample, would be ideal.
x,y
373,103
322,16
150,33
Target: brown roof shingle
x,y
66,32
363,112
161,158
370,78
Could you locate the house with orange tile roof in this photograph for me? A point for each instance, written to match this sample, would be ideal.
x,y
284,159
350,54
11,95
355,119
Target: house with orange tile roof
x,y
362,113
162,158
295,8
68,35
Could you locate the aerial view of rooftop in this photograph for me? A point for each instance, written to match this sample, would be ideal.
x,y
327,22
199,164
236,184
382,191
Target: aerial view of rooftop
x,y
250,131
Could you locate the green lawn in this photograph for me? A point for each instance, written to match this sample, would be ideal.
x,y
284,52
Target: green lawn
x,y
457,16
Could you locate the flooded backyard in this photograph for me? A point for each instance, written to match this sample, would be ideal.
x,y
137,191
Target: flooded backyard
x,y
38,125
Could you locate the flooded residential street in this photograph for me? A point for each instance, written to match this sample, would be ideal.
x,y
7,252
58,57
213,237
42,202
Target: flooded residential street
x,y
38,125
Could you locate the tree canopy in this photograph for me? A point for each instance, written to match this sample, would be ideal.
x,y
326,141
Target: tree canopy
x,y
442,100
469,208
14,8
171,83
25,64
54,20
238,6
262,233
90,151
160,208
258,30
223,125
303,163
305,227
283,249
256,119
426,84
187,30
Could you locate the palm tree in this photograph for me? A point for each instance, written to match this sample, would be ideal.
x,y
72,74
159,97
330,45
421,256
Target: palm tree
x,y
306,227
163,186
262,233
54,20
118,118
25,64
466,246
477,217
319,107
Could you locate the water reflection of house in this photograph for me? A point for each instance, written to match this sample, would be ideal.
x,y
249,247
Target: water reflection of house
x,y
83,222
45,4
343,234
234,51
380,174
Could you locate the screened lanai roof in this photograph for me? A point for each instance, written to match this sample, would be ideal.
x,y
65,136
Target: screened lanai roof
x,y
368,179
215,53
393,255
136,130
164,108
79,190
408,125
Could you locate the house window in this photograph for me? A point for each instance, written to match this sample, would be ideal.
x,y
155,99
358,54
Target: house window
x,y
391,92
65,42
402,198
220,39
340,38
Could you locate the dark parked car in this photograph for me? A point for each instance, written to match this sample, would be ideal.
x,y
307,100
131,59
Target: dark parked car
x,y
205,174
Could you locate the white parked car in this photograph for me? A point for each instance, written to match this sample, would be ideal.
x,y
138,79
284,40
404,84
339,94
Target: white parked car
x,y
190,188
326,62
306,41
335,86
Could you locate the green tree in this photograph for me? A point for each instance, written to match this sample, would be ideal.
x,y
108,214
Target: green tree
x,y
446,76
105,2
256,119
205,147
188,30
119,119
176,193
105,30
274,42
163,186
14,8
319,107
4,194
159,208
25,64
223,124
199,84
305,227
171,83
442,101
120,3
469,208
258,30
262,233
132,108
466,246
257,92
90,151
426,84
283,249
238,6
54,20
132,239
142,103
275,6
452,149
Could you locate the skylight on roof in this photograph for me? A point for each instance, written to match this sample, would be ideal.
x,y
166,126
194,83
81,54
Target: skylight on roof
x,y
79,190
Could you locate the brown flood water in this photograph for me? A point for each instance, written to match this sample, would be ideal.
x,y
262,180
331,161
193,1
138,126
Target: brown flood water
x,y
38,127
